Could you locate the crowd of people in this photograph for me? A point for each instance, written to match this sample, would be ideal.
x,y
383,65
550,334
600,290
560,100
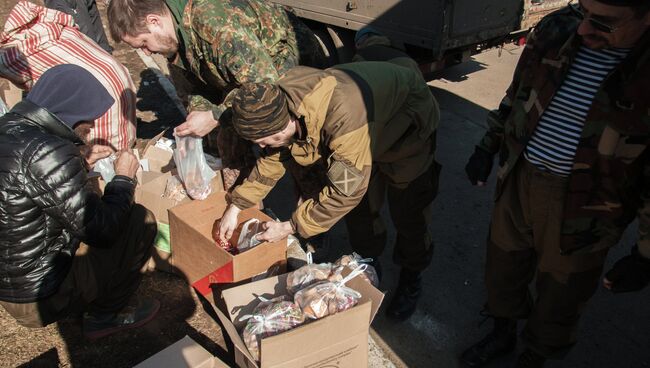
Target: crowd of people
x,y
572,136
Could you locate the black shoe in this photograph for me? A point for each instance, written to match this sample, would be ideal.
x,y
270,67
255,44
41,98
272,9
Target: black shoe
x,y
499,342
406,296
530,359
101,324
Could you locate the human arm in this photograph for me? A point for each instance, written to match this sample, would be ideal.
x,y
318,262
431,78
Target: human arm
x,y
59,176
632,272
238,57
267,171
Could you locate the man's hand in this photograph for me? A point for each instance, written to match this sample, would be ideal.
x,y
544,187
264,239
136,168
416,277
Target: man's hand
x,y
94,153
275,231
228,223
126,163
479,166
198,124
630,273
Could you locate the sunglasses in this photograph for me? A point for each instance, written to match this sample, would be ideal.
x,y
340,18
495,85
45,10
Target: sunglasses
x,y
597,24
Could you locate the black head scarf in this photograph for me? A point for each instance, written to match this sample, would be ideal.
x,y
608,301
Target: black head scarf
x,y
71,93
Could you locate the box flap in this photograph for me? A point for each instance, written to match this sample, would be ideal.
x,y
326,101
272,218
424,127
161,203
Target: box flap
x,y
241,300
151,193
368,293
234,335
185,353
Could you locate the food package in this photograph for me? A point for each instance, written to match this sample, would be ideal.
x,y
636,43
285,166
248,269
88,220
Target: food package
x,y
325,298
354,260
223,244
174,189
248,235
270,317
192,167
307,275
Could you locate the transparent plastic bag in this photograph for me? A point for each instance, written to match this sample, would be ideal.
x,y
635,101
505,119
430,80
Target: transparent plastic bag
x,y
105,167
174,189
3,108
307,275
192,167
354,260
325,298
248,235
270,317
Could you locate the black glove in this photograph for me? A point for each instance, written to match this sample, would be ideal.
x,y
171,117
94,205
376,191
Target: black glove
x,y
479,166
630,273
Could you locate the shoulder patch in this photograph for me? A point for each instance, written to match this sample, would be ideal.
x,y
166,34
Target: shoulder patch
x,y
344,177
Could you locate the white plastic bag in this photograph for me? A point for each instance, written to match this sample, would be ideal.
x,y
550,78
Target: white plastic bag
x,y
105,167
3,108
192,167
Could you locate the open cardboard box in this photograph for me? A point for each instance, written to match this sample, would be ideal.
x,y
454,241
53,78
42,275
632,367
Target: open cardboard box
x,y
153,158
339,340
149,195
184,353
197,256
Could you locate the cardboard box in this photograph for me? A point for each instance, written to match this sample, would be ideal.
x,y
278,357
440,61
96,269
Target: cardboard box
x,y
202,261
153,158
185,353
339,340
150,194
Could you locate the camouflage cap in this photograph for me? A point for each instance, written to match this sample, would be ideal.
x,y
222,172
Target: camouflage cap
x,y
259,110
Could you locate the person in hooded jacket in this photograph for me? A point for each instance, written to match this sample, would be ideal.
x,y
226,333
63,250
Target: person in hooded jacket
x,y
47,210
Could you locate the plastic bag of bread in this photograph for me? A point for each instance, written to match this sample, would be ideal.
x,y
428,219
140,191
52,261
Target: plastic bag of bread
x,y
354,260
328,297
307,275
270,317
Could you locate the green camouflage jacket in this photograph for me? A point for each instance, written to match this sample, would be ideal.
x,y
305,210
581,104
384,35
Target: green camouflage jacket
x,y
357,117
609,184
225,43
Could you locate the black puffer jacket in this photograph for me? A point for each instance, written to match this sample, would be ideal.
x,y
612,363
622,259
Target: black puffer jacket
x,y
45,207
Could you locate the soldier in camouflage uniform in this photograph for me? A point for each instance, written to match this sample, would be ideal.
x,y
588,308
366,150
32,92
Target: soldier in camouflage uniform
x,y
372,126
558,225
219,45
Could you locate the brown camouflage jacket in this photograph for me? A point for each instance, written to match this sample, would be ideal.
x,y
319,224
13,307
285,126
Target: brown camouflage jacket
x,y
227,43
357,117
609,184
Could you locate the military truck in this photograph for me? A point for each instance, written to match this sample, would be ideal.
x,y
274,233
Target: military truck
x,y
436,33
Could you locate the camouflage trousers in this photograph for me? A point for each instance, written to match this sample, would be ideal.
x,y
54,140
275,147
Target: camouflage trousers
x,y
524,242
411,213
100,279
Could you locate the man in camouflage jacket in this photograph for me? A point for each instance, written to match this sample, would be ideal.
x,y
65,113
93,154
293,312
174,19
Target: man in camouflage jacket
x,y
371,126
219,45
560,228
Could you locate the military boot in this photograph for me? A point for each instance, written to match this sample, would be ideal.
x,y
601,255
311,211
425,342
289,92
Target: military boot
x,y
499,342
406,296
530,359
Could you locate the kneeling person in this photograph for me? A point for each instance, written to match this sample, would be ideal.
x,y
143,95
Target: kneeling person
x,y
48,210
372,125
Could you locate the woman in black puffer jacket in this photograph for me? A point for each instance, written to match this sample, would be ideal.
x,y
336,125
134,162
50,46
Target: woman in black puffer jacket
x,y
46,208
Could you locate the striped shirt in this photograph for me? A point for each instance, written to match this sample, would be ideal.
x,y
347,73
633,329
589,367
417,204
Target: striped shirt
x,y
553,145
36,38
